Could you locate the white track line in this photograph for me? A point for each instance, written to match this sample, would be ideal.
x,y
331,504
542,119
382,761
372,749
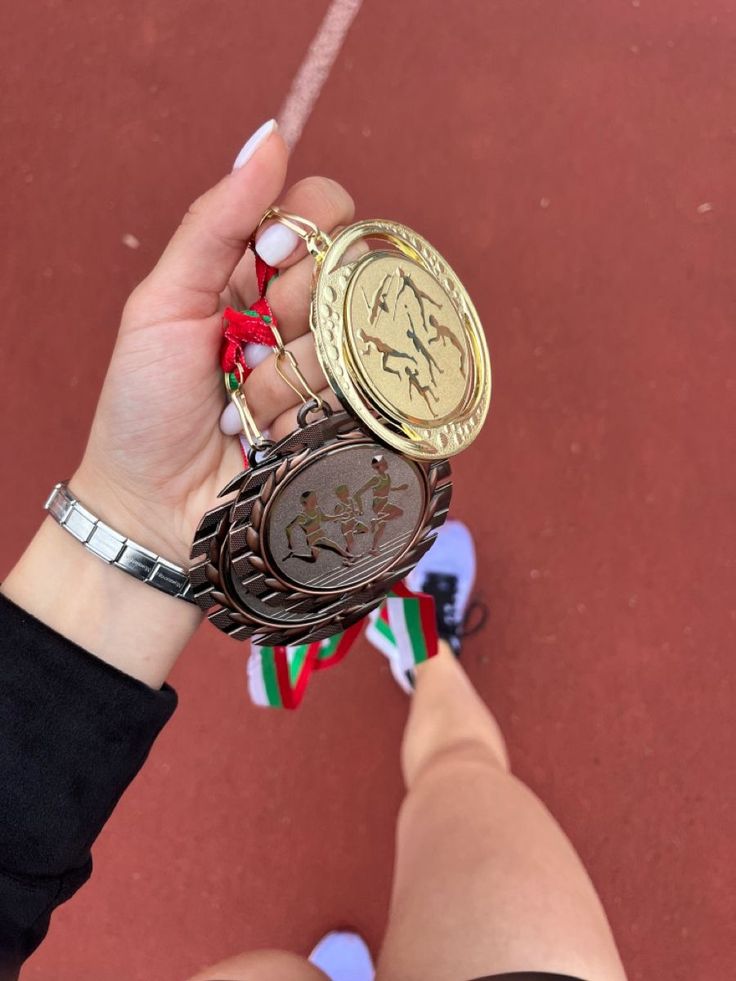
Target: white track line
x,y
315,69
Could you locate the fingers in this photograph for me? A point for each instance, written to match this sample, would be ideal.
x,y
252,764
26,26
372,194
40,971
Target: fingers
x,y
329,206
200,258
269,397
290,295
321,200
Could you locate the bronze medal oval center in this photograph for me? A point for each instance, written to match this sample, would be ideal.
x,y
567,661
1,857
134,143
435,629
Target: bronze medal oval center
x,y
344,518
407,340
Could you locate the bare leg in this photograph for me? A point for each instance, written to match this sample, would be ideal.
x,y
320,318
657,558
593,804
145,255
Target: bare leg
x,y
262,965
485,880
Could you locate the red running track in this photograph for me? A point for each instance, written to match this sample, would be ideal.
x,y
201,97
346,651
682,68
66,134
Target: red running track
x,y
575,162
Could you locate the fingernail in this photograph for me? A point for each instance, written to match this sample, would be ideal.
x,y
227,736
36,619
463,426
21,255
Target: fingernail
x,y
255,353
276,243
230,420
260,135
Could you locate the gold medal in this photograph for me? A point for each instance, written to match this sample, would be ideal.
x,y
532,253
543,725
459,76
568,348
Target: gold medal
x,y
397,336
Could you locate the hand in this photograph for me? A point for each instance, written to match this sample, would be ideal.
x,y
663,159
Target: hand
x,y
156,457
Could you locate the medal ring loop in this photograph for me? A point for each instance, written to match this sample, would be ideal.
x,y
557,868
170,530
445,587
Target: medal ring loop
x,y
316,240
313,405
239,375
258,451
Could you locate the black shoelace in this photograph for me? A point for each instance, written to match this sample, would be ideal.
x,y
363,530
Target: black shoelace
x,y
443,588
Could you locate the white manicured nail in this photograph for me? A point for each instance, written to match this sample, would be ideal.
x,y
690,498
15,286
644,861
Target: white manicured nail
x,y
276,243
260,135
255,353
230,420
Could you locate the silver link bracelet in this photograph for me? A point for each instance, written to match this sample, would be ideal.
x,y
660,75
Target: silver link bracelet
x,y
115,549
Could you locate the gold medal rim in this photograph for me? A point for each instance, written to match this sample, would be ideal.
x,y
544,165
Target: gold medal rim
x,y
332,342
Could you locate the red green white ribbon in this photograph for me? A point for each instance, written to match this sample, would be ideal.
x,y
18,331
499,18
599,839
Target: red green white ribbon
x,y
403,628
255,324
278,676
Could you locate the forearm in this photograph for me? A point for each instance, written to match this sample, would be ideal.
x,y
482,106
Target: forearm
x,y
126,623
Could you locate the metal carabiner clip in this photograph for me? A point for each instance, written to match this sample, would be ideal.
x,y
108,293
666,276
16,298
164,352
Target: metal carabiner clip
x,y
317,241
233,384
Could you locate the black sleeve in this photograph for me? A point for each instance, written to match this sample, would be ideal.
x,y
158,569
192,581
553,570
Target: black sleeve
x,y
528,976
74,731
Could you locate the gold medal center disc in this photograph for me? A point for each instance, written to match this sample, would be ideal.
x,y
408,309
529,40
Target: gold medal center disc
x,y
399,340
407,340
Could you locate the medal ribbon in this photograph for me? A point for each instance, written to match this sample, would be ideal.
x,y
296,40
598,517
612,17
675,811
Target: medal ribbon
x,y
403,628
253,324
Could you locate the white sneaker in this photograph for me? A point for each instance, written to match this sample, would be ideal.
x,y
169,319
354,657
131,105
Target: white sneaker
x,y
447,573
343,956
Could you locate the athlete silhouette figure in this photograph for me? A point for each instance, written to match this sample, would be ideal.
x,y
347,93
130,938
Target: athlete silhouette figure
x,y
407,283
424,391
310,521
379,303
384,350
421,349
348,513
444,334
383,510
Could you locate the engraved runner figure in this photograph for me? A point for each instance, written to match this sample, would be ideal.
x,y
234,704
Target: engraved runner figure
x,y
423,391
347,513
383,510
384,350
421,349
407,283
444,334
310,521
379,303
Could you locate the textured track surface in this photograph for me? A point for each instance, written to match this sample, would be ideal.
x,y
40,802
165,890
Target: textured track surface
x,y
575,162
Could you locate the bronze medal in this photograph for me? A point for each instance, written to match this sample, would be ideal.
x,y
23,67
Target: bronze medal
x,y
317,533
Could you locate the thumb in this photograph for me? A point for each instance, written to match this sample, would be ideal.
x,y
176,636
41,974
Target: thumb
x,y
198,261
